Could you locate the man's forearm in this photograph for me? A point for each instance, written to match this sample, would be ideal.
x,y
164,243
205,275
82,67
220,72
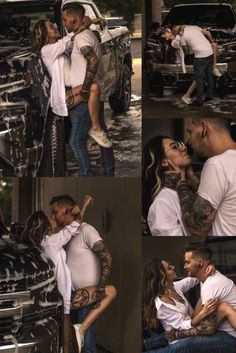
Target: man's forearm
x,y
197,213
91,70
105,257
207,327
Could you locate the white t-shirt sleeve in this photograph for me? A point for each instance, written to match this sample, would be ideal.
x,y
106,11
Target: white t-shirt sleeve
x,y
84,39
173,318
213,184
91,236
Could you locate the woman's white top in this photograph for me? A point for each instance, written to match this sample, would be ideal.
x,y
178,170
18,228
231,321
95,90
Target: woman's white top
x,y
53,58
52,245
177,316
176,43
164,215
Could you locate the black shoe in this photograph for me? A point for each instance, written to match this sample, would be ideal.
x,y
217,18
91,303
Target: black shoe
x,y
208,99
196,103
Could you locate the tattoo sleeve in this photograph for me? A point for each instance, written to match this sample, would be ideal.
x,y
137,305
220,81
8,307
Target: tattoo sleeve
x,y
207,327
171,180
105,257
197,212
91,70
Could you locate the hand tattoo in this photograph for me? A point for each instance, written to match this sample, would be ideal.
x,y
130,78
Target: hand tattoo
x,y
171,180
197,212
91,70
98,296
105,257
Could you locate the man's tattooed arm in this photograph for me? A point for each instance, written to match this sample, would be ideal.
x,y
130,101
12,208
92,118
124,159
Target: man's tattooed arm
x,y
197,213
105,257
207,327
171,180
91,70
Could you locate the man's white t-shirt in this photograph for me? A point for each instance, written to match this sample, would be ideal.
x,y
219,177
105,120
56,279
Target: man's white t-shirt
x,y
222,289
198,43
164,215
83,263
218,186
78,61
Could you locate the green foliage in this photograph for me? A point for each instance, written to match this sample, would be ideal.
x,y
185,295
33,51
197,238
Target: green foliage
x,y
5,199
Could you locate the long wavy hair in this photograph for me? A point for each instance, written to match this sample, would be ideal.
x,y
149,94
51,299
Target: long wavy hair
x,y
37,226
152,171
154,284
39,36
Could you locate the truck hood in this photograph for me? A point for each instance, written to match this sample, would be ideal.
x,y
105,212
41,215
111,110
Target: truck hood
x,y
213,15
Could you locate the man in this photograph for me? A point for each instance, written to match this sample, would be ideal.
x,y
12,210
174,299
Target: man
x,y
212,210
88,260
200,43
85,60
217,286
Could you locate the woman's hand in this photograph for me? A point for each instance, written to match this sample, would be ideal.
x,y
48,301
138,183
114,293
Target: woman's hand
x,y
75,210
53,224
208,307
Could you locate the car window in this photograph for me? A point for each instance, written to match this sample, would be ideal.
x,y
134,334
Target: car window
x,y
89,11
18,22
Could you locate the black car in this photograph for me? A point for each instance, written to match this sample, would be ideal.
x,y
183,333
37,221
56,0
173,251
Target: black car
x,y
218,18
30,306
32,139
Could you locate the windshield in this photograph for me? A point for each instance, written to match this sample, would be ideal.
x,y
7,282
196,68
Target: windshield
x,y
17,22
220,16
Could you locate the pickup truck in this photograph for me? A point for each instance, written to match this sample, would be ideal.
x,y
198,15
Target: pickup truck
x,y
30,305
160,58
31,143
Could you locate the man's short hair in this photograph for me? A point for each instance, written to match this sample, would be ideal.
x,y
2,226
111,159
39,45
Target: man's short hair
x,y
61,200
199,250
74,8
222,123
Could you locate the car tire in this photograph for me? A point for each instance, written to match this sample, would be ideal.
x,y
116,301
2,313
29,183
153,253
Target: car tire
x,y
53,163
120,100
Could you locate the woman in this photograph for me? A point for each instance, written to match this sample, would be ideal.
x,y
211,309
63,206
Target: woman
x,y
174,36
39,232
164,301
161,205
55,55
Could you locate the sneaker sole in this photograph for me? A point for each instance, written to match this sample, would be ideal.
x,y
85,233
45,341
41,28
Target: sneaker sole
x,y
99,142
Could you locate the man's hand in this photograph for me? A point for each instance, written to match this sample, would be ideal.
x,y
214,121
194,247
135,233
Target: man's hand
x,y
171,335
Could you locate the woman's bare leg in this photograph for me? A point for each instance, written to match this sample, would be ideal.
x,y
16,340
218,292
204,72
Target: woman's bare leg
x,y
94,106
87,296
191,88
226,312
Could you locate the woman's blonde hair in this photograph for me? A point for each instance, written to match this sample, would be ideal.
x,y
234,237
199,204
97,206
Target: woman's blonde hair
x,y
154,285
39,36
37,226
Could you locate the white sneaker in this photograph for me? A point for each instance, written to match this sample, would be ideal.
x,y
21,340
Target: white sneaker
x,y
79,336
186,100
216,72
100,137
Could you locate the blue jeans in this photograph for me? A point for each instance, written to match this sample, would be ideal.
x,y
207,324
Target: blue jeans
x,y
203,68
81,124
77,316
220,342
